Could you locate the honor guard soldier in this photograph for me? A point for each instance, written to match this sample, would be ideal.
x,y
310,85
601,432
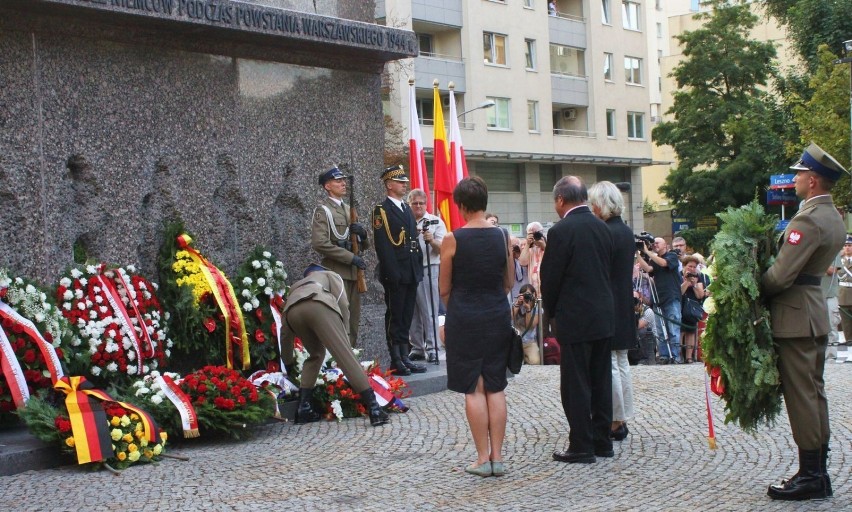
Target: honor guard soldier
x,y
792,284
400,268
331,237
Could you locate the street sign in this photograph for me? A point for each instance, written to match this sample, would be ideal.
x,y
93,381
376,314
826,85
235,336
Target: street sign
x,y
782,225
779,181
782,196
680,224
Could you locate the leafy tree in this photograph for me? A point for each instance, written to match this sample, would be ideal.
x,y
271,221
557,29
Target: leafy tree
x,y
811,23
726,128
824,117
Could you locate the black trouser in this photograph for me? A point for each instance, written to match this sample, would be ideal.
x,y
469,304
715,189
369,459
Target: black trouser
x,y
586,388
400,300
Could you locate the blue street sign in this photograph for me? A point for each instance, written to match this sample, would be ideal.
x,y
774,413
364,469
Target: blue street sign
x,y
785,196
782,225
679,224
777,181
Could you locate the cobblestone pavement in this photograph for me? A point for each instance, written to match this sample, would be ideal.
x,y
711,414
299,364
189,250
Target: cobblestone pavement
x,y
415,463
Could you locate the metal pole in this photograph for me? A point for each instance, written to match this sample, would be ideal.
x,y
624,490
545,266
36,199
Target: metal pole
x,y
540,331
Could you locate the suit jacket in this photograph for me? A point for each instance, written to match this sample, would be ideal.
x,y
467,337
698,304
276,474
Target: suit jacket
x,y
812,239
575,277
621,277
323,239
395,240
323,286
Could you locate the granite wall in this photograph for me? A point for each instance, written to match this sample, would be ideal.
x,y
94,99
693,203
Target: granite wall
x,y
109,128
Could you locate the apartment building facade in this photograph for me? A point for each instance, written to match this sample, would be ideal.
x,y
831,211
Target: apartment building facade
x,y
570,92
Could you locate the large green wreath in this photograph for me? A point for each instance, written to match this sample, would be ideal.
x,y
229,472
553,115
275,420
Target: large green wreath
x,y
738,338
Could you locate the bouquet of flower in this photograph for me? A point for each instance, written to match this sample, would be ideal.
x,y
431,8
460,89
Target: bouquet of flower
x,y
119,318
51,424
26,299
224,401
261,287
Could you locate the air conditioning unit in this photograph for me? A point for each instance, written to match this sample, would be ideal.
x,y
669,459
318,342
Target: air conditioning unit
x,y
656,119
445,102
569,114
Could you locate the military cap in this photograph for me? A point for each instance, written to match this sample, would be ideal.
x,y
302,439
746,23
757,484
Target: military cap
x,y
848,239
313,267
332,174
394,172
816,160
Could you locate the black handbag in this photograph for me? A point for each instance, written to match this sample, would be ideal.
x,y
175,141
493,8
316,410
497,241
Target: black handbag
x,y
516,352
692,312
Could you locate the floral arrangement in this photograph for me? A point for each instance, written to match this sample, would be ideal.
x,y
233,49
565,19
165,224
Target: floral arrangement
x,y
51,424
737,344
224,401
118,315
28,300
260,287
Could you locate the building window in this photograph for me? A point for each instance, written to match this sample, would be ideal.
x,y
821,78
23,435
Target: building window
x,y
494,47
532,116
633,70
606,12
610,122
528,4
501,177
425,41
630,15
565,60
426,111
635,125
608,67
529,53
498,117
659,30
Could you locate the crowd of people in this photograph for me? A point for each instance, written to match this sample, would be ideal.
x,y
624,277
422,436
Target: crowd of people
x,y
609,297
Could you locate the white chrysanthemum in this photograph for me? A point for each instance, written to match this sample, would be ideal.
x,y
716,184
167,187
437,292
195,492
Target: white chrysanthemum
x,y
156,399
247,307
42,297
65,282
247,281
103,309
68,295
112,367
39,317
255,302
331,376
267,254
255,264
99,299
167,351
142,286
111,333
246,293
156,286
30,289
47,306
83,281
142,391
131,268
167,315
132,370
146,369
76,342
96,370
91,269
270,273
268,291
75,273
78,294
261,281
81,306
126,344
264,264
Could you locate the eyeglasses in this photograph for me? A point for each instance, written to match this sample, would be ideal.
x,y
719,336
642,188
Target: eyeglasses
x,y
417,203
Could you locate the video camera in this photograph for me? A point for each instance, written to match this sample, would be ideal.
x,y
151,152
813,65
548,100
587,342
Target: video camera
x,y
427,223
644,239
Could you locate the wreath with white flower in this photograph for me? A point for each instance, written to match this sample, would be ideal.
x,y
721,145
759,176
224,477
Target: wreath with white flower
x,y
260,287
28,300
118,317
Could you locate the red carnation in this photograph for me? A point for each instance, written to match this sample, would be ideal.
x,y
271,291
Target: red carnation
x,y
29,356
258,335
210,324
259,314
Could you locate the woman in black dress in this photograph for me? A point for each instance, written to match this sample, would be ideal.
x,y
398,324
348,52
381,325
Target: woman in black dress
x,y
474,279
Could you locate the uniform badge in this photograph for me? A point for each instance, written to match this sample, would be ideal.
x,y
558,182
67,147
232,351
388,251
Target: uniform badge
x,y
377,222
794,237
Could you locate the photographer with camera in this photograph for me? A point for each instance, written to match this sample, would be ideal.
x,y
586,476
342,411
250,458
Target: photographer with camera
x,y
662,264
525,319
519,272
692,288
533,252
424,324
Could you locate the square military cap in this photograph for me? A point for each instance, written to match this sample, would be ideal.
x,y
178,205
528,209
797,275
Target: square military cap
x,y
332,174
816,160
395,173
313,267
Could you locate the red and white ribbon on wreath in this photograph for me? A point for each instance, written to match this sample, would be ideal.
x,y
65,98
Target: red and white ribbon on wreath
x,y
182,402
276,320
384,396
12,371
29,328
120,312
711,433
146,337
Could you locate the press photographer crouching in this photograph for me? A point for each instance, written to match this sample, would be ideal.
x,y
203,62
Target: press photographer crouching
x,y
662,264
525,318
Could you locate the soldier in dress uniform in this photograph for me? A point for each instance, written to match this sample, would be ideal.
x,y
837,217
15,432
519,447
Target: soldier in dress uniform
x,y
317,311
400,267
843,271
792,284
330,237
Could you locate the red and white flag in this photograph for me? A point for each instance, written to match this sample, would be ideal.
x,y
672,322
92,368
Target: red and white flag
x,y
416,156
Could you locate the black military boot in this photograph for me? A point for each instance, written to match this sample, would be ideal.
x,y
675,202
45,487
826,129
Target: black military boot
x,y
411,365
807,484
377,415
823,468
306,413
397,365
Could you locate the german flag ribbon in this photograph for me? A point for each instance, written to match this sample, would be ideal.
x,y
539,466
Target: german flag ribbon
x,y
227,301
29,328
89,424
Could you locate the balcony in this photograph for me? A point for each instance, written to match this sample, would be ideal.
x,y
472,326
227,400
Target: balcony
x,y
569,90
568,27
429,66
447,13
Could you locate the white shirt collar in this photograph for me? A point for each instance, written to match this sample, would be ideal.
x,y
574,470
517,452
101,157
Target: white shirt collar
x,y
572,209
396,201
335,200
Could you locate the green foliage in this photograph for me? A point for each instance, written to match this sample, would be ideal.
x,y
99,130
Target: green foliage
x,y
812,23
738,338
698,239
40,417
726,128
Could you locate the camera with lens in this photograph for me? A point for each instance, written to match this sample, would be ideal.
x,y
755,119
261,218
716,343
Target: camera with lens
x,y
427,223
644,239
528,297
691,274
538,235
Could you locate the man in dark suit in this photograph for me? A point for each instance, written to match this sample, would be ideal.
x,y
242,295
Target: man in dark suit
x,y
400,267
575,288
800,319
